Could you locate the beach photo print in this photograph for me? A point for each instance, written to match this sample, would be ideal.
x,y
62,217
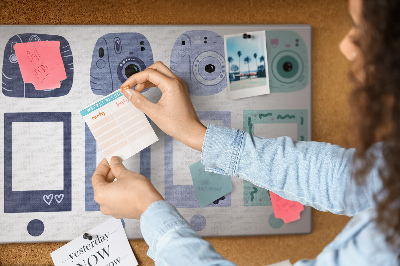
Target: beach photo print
x,y
246,62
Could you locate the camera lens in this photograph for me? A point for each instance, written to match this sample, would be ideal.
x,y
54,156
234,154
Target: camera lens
x,y
287,66
131,69
128,67
209,68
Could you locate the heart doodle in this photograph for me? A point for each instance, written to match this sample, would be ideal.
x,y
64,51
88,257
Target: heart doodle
x,y
48,198
59,198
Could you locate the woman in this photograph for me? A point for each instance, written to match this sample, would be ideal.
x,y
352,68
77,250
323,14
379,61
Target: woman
x,y
360,182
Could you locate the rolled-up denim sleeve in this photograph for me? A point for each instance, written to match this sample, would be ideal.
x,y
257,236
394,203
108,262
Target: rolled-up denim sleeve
x,y
172,241
313,173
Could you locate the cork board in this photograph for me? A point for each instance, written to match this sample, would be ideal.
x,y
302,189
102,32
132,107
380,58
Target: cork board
x,y
43,134
330,91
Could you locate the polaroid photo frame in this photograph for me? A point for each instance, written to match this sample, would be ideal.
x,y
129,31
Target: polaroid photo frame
x,y
246,62
91,150
296,127
38,199
184,196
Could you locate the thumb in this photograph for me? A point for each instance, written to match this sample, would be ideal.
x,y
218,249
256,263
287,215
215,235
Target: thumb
x,y
117,168
100,174
138,100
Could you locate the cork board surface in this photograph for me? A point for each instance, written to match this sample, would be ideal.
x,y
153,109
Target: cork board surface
x,y
330,22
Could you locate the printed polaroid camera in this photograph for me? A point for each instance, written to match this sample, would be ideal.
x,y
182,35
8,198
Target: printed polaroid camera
x,y
13,84
198,59
288,66
116,57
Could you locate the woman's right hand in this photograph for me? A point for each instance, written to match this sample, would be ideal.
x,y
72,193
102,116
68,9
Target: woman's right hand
x,y
174,112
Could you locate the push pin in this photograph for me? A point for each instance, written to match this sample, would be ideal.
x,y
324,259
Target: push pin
x,y
87,236
246,36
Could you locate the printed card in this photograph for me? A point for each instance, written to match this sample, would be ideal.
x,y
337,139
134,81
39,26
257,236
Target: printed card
x,y
108,246
247,65
118,126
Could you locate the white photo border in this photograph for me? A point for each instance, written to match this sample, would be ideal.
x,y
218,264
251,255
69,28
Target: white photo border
x,y
247,92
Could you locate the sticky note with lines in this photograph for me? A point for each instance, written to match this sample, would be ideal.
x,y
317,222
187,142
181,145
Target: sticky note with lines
x,y
118,126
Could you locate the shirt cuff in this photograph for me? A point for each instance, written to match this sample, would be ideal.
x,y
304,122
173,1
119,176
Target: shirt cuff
x,y
222,147
158,219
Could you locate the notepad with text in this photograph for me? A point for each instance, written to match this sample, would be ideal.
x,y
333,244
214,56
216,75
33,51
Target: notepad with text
x,y
119,128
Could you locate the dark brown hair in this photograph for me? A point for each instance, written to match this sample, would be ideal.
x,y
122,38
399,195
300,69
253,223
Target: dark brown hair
x,y
375,103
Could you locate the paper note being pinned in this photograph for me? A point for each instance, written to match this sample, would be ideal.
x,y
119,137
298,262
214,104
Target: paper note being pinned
x,y
41,64
284,209
209,186
118,126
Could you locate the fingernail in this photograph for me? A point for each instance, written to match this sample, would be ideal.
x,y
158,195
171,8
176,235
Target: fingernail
x,y
128,93
115,160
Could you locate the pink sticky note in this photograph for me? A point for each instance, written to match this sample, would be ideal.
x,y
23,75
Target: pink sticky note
x,y
41,64
284,209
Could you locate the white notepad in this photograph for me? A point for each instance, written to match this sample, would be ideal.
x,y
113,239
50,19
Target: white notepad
x,y
119,128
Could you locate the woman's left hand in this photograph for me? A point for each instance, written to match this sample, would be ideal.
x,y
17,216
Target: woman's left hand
x,y
127,197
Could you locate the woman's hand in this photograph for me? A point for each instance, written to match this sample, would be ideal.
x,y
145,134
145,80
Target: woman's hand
x,y
127,197
174,113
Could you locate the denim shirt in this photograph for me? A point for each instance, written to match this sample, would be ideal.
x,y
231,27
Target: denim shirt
x,y
312,173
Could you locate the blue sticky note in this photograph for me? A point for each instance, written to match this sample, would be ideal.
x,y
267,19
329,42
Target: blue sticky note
x,y
209,186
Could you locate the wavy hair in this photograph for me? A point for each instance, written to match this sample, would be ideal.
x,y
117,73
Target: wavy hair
x,y
375,103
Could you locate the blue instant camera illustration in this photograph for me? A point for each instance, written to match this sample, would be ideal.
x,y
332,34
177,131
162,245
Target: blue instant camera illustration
x,y
198,59
288,65
12,82
116,57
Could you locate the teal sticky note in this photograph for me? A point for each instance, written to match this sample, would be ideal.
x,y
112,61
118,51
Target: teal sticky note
x,y
209,186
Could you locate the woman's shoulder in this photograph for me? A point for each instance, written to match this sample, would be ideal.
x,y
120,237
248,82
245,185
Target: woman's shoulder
x,y
362,240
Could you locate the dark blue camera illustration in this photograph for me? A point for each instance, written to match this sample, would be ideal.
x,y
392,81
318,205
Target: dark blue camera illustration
x,y
12,82
198,59
116,57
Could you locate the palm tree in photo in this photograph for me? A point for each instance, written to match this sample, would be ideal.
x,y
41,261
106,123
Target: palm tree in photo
x,y
261,68
255,57
230,60
247,60
262,59
239,54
